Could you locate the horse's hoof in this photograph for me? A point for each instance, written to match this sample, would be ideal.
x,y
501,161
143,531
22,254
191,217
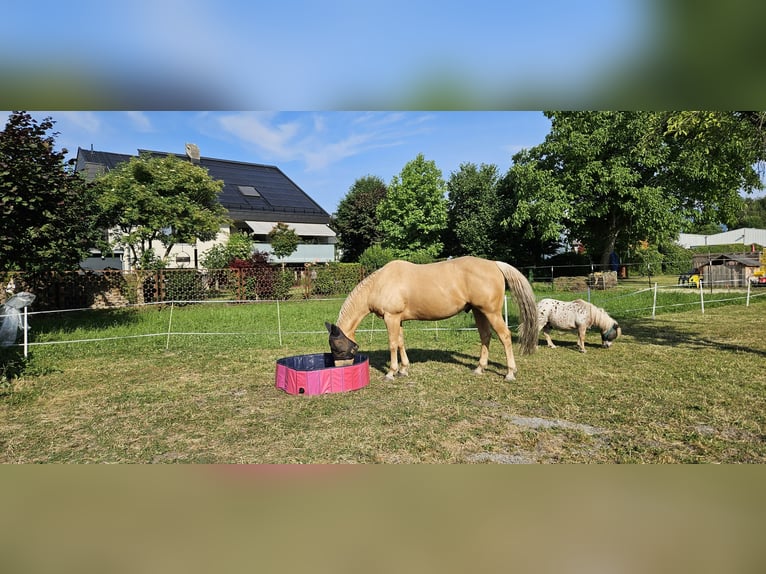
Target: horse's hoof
x,y
390,376
478,371
402,373
510,377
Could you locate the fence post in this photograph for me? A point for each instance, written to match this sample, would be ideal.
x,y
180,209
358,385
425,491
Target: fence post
x,y
747,299
702,298
654,302
26,332
279,323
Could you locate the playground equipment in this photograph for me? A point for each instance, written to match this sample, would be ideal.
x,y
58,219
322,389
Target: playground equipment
x,y
759,275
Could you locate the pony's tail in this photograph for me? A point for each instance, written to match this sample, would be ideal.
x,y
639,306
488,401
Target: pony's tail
x,y
525,299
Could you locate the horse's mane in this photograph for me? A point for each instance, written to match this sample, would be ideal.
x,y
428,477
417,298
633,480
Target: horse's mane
x,y
355,303
601,318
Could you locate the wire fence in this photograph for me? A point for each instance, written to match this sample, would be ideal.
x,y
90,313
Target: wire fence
x,y
639,303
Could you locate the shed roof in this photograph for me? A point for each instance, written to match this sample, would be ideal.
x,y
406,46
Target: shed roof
x,y
746,260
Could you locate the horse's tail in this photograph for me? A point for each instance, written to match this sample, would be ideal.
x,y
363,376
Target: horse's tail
x,y
525,299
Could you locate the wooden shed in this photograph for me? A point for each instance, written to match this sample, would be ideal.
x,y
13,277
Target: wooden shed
x,y
727,269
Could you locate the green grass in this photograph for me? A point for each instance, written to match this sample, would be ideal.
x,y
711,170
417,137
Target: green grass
x,y
683,387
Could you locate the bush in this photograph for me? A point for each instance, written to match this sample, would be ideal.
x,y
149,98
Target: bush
x,y
420,256
336,278
183,285
375,257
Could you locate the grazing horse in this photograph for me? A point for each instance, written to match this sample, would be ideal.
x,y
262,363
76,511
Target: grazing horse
x,y
402,291
577,314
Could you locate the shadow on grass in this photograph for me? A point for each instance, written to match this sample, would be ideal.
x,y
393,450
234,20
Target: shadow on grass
x,y
95,320
664,334
380,359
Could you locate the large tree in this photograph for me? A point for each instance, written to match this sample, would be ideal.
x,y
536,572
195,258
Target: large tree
x,y
413,214
612,179
160,200
48,214
473,209
355,220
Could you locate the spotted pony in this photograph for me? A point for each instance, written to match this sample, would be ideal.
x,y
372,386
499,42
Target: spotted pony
x,y
575,315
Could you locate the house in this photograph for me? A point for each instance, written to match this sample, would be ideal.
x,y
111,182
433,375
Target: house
x,y
256,196
727,269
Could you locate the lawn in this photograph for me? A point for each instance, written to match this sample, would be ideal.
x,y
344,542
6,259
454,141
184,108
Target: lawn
x,y
684,386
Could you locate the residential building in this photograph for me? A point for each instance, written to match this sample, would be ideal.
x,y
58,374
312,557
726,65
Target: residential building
x,y
256,196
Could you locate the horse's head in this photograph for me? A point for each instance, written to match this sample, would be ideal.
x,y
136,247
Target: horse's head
x,y
608,336
341,346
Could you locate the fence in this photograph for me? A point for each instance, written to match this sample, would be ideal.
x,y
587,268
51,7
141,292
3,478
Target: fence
x,y
111,289
621,304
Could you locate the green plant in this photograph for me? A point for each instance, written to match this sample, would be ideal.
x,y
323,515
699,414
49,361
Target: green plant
x,y
375,257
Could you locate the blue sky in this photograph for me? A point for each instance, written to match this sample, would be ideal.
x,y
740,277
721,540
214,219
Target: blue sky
x,y
335,54
324,152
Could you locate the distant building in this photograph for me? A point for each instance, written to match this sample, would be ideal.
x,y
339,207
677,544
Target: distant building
x,y
256,197
747,236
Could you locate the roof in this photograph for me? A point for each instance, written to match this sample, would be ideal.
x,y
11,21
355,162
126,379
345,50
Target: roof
x,y
743,259
251,191
743,235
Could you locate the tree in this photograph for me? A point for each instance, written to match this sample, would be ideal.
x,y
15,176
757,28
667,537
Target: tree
x,y
284,241
355,220
220,256
472,212
413,214
752,214
48,215
160,199
612,179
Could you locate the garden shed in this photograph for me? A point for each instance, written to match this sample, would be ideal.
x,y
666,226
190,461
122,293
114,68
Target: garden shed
x,y
727,269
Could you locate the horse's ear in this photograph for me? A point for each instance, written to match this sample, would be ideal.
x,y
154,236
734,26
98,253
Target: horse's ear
x,y
334,330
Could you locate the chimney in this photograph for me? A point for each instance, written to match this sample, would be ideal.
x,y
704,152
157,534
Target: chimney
x,y
192,151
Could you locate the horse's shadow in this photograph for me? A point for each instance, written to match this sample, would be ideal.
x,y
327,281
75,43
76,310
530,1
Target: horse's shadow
x,y
664,334
380,359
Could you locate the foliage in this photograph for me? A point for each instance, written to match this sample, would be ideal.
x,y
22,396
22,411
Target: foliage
x,y
355,220
675,259
473,211
649,260
421,256
612,179
284,240
219,256
48,214
261,280
184,285
336,278
752,214
413,214
375,257
160,199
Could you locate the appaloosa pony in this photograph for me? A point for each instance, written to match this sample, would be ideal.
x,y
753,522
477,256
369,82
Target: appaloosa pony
x,y
402,291
577,314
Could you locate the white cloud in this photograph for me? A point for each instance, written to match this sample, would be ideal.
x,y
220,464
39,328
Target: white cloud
x,y
86,121
140,121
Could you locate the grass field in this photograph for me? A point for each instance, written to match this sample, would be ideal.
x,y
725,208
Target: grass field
x,y
682,387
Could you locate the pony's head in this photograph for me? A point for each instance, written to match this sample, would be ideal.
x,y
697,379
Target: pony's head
x,y
341,346
608,336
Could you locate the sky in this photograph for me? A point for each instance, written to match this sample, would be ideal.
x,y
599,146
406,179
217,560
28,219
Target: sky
x,y
335,54
323,152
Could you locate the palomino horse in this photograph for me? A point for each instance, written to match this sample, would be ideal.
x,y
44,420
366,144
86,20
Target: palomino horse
x,y
402,291
579,315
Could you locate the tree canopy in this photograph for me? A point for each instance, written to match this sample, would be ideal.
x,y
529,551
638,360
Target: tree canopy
x,y
160,199
355,219
48,215
472,211
284,240
613,179
413,214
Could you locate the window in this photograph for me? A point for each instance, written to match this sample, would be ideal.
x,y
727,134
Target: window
x,y
248,190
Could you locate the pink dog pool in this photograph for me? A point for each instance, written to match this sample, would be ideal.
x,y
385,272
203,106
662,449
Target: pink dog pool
x,y
317,374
